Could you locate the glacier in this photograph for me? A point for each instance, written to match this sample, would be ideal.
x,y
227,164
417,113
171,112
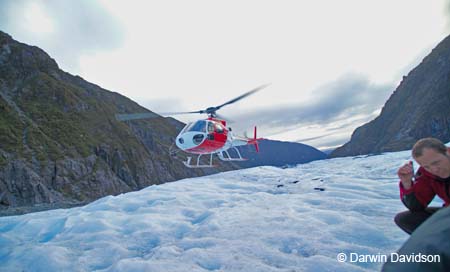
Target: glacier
x,y
257,219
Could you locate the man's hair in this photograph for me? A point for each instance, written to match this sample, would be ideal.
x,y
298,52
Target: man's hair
x,y
431,143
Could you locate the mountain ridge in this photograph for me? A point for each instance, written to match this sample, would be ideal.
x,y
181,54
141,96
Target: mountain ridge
x,y
60,143
419,107
279,153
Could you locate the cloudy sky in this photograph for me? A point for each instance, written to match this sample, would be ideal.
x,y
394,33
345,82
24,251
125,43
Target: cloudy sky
x,y
331,64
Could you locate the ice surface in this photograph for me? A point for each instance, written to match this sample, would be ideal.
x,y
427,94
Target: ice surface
x,y
258,219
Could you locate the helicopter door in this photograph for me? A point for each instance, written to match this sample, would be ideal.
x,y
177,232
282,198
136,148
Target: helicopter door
x,y
221,134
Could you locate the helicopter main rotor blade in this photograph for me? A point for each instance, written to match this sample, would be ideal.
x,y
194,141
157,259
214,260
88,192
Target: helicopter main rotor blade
x,y
224,118
136,116
211,111
182,112
242,96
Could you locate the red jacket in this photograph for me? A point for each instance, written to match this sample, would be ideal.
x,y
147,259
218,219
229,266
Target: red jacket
x,y
425,187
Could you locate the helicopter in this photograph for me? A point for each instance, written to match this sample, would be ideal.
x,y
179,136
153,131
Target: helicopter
x,y
208,136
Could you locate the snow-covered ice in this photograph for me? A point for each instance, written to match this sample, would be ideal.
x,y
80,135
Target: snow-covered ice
x,y
258,219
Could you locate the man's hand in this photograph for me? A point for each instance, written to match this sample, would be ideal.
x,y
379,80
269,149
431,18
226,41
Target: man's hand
x,y
406,173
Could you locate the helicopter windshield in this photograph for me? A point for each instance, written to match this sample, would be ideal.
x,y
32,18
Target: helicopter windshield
x,y
199,126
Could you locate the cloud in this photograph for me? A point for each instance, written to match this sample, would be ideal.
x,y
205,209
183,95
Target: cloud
x,y
330,143
348,96
337,106
313,138
63,28
447,13
163,106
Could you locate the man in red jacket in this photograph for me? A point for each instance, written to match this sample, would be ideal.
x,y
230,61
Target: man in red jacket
x,y
432,178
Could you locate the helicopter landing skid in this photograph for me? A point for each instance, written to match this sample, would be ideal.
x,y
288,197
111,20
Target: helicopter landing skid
x,y
228,157
188,164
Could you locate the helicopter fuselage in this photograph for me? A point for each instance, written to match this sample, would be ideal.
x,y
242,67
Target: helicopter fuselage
x,y
204,137
208,136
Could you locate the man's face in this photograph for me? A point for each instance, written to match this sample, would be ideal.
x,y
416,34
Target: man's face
x,y
434,162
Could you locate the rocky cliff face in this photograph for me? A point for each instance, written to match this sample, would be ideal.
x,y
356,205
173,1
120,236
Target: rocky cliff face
x,y
60,143
418,108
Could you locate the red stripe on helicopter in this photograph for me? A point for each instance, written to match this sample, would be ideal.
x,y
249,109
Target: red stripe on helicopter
x,y
206,147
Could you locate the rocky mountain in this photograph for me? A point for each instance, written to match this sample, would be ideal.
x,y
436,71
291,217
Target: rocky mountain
x,y
60,144
419,107
279,153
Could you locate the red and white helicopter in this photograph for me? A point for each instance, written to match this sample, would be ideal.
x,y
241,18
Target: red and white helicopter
x,y
207,136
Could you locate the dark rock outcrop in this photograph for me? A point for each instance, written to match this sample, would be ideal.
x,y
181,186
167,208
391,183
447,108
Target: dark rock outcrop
x,y
278,153
418,108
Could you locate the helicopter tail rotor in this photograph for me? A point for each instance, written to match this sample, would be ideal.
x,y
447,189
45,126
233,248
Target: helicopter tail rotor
x,y
254,141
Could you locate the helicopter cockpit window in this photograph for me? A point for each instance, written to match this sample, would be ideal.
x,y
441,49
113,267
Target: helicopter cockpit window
x,y
210,127
187,127
219,128
199,126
